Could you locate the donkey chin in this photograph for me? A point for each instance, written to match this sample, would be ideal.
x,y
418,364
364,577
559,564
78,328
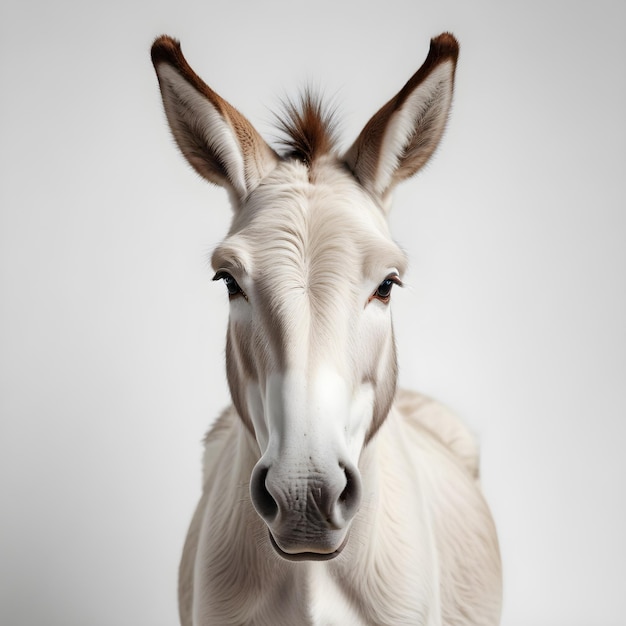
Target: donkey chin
x,y
307,518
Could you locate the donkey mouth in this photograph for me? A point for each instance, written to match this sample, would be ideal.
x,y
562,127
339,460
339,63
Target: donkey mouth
x,y
306,555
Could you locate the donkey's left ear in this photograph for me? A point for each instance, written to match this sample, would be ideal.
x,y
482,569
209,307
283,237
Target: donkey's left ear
x,y
403,134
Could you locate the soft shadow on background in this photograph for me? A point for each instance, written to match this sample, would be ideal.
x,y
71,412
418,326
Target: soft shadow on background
x,y
111,353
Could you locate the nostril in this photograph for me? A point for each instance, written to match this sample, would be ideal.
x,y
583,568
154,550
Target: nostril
x,y
349,498
262,499
344,496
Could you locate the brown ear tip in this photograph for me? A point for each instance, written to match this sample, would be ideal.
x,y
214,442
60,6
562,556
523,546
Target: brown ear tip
x,y
164,48
445,45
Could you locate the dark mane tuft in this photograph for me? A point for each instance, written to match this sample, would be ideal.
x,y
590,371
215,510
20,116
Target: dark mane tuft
x,y
308,126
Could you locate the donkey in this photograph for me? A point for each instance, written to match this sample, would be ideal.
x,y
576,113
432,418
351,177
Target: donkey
x,y
329,497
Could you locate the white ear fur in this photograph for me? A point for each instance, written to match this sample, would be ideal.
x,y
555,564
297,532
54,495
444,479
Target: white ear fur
x,y
425,111
401,137
215,138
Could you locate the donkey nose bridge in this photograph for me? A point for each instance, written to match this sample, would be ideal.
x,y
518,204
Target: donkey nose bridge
x,y
306,473
306,400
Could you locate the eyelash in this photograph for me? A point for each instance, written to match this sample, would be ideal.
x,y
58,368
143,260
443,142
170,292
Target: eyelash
x,y
232,285
383,292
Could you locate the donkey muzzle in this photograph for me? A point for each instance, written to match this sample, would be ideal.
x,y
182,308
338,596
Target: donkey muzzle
x,y
308,512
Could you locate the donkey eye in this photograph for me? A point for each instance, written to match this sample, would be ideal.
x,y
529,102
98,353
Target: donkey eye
x,y
383,293
231,284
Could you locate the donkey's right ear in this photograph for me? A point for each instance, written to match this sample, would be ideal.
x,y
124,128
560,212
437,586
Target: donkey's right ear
x,y
215,138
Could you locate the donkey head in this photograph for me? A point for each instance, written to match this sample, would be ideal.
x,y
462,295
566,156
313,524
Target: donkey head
x,y
309,266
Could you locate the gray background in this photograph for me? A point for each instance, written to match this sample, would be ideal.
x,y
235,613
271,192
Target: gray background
x,y
111,358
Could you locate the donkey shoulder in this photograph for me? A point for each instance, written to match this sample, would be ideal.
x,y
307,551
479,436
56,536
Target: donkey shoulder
x,y
214,442
424,413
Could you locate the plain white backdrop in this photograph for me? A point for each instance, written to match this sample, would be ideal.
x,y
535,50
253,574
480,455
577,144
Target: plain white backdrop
x,y
111,354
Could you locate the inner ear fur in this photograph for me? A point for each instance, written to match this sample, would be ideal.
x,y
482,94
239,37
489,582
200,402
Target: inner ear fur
x,y
400,138
215,138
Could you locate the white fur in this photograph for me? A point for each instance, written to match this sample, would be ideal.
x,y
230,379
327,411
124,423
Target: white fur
x,y
319,455
392,580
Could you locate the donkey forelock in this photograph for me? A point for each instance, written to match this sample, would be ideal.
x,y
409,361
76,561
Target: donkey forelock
x,y
309,127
